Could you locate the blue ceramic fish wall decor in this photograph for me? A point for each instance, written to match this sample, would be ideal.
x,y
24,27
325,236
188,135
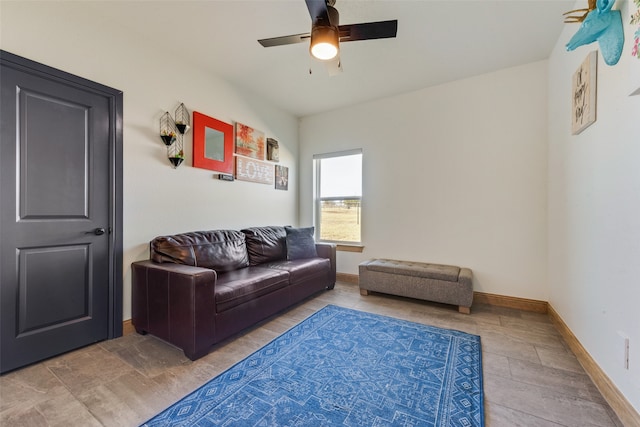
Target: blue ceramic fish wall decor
x,y
605,26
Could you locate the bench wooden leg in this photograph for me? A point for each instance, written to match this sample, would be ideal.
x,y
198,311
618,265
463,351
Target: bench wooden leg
x,y
364,292
464,310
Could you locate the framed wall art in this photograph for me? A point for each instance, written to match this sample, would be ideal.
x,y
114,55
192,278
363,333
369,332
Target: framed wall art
x,y
583,91
253,170
282,178
249,142
212,144
633,35
273,150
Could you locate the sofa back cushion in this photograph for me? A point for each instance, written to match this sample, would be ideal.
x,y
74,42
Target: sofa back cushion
x,y
266,244
220,250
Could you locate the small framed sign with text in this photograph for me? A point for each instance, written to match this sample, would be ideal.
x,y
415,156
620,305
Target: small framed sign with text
x,y
254,170
583,110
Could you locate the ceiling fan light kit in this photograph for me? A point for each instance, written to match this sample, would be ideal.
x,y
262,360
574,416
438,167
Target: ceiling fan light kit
x,y
324,42
327,33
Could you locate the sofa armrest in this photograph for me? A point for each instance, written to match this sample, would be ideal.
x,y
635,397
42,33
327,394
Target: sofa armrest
x,y
175,303
328,250
204,275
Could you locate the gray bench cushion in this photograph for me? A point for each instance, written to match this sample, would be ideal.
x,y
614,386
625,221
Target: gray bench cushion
x,y
449,273
447,284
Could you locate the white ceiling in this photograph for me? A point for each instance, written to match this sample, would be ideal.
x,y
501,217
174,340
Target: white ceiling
x,y
438,41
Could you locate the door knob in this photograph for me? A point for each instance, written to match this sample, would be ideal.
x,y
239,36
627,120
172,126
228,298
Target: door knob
x,y
97,231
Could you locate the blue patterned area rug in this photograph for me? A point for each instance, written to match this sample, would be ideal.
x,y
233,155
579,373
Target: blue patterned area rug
x,y
343,367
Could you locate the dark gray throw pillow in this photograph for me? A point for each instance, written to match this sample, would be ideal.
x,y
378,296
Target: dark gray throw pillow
x,y
300,243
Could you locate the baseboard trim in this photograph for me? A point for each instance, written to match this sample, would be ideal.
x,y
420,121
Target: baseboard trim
x,y
127,327
525,304
620,405
349,278
535,306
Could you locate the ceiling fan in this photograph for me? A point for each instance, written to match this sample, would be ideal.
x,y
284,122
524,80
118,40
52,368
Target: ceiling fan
x,y
327,33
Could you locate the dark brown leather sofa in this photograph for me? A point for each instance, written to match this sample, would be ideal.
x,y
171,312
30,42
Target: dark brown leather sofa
x,y
202,287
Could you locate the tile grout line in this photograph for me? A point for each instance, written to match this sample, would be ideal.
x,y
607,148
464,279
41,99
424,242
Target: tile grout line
x,y
76,398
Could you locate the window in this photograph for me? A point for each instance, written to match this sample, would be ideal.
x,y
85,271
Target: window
x,y
338,196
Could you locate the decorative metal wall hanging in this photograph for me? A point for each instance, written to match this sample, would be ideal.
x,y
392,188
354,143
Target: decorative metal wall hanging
x,y
172,133
167,129
183,119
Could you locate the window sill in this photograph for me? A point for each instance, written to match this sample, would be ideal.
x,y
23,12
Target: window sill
x,y
349,248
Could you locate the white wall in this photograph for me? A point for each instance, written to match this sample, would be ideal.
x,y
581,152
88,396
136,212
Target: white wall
x,y
452,174
594,212
158,200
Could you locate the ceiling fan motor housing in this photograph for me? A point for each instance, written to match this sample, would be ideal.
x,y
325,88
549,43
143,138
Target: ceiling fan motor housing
x,y
334,16
325,36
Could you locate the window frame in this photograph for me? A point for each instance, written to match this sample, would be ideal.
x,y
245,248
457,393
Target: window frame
x,y
317,200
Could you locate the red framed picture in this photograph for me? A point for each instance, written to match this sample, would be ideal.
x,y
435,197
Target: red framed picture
x,y
212,144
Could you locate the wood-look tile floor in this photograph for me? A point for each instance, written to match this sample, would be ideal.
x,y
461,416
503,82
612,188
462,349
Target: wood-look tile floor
x,y
531,378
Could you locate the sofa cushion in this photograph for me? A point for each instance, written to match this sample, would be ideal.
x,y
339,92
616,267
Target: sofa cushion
x,y
236,287
220,250
265,244
300,243
300,270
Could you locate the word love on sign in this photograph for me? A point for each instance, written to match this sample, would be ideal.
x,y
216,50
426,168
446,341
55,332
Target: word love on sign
x,y
254,171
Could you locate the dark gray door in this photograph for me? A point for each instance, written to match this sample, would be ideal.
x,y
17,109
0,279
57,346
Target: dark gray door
x,y
56,215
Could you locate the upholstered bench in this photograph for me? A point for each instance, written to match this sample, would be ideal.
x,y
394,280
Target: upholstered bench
x,y
446,284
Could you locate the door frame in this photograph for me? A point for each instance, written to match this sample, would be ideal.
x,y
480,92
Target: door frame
x,y
115,97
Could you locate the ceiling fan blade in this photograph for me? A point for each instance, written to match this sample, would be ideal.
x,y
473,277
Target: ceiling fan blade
x,y
279,41
334,66
368,31
318,11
